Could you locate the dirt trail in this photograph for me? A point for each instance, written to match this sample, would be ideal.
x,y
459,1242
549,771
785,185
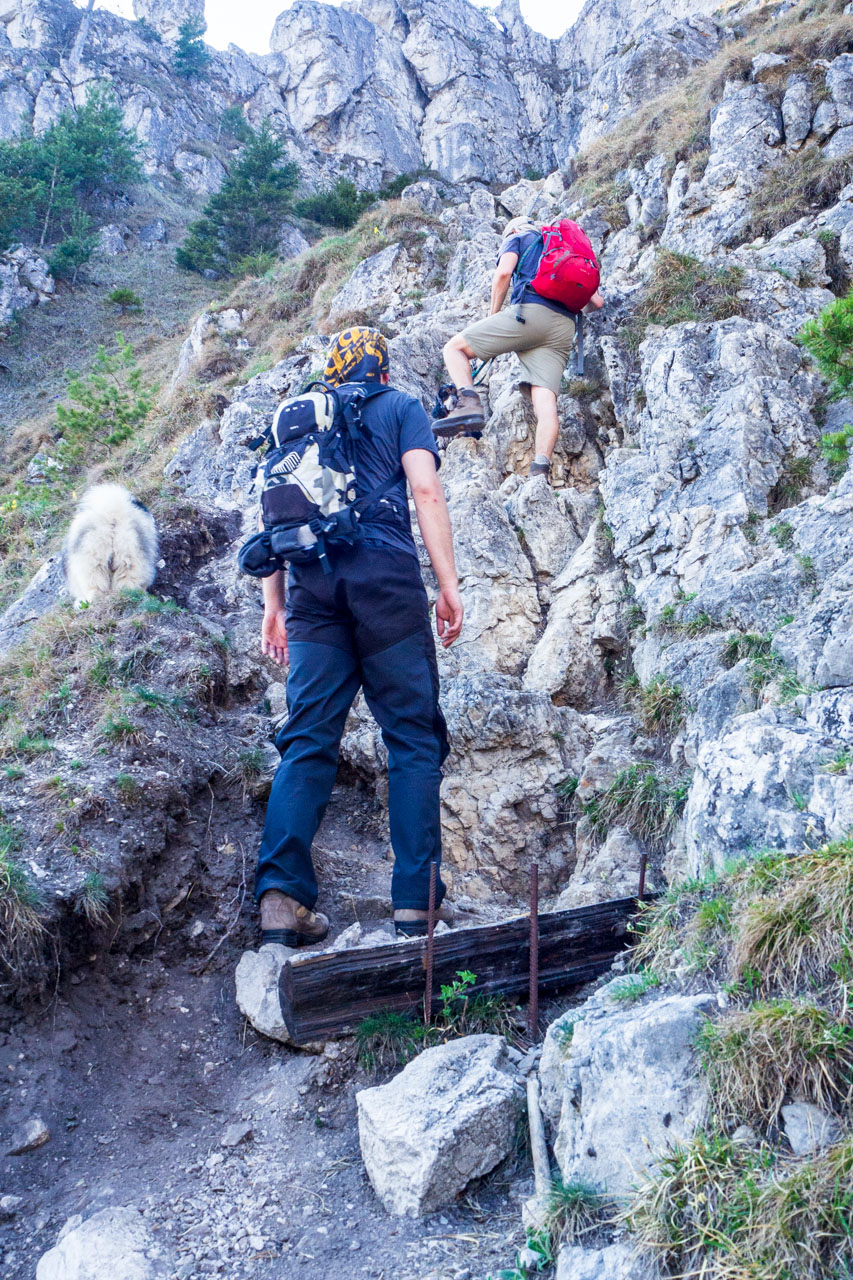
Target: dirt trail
x,y
141,1067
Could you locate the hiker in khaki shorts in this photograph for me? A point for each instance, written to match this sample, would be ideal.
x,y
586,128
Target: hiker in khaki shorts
x,y
540,330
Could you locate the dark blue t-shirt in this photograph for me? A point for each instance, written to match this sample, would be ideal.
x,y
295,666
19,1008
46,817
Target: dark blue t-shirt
x,y
529,249
397,422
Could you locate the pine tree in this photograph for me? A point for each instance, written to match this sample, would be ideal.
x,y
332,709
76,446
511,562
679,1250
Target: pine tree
x,y
245,215
45,181
190,57
829,338
107,404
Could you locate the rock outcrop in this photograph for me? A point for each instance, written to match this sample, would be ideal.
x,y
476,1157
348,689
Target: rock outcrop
x,y
620,1085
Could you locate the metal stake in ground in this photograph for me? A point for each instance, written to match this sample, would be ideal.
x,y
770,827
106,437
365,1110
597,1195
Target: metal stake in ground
x,y
644,862
430,955
533,1006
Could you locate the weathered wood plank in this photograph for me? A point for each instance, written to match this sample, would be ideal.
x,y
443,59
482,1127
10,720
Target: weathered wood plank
x,y
327,994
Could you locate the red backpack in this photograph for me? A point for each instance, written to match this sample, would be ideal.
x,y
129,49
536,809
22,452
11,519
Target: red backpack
x,y
568,272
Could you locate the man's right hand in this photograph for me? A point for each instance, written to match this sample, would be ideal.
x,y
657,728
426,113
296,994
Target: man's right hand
x,y
449,612
274,636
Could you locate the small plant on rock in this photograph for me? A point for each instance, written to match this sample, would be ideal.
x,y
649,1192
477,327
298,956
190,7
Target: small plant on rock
x,y
21,929
641,798
835,447
660,704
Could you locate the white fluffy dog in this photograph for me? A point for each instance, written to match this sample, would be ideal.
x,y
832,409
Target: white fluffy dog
x,y
111,544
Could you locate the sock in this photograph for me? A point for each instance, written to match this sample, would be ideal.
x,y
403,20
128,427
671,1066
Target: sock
x,y
542,459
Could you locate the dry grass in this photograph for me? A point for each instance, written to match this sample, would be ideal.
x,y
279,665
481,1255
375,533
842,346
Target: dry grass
x,y
676,123
758,1057
683,288
795,924
21,930
719,1210
777,925
801,183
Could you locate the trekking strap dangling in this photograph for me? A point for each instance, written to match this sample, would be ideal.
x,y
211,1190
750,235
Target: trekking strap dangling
x,y
579,321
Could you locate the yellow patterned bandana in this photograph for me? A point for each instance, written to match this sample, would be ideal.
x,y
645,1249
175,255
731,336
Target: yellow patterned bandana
x,y
357,355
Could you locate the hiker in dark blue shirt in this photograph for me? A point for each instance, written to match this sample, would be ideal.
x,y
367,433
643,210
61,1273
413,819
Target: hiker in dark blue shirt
x,y
364,623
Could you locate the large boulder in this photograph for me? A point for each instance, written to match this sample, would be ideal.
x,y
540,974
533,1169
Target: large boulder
x,y
621,1084
111,1244
24,282
448,1117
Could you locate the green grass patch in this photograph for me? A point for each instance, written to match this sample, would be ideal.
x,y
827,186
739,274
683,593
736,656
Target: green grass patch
x,y
642,798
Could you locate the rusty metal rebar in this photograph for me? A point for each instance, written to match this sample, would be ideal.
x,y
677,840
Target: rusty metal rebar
x,y
430,955
533,1005
644,862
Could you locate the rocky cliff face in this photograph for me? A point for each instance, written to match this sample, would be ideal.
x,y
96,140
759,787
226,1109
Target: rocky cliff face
x,y
372,88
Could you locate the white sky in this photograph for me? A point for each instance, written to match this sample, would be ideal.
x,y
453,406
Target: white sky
x,y
250,25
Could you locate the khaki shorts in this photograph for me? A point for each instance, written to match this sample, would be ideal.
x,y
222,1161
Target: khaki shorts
x,y
543,343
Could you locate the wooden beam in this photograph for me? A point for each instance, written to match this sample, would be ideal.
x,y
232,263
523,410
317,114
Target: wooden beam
x,y
330,993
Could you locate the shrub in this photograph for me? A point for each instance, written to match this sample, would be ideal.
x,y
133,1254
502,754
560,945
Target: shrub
x,y
125,299
107,405
339,206
75,250
245,215
190,57
572,1209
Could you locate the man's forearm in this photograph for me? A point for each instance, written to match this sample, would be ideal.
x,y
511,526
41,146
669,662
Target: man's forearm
x,y
500,284
434,523
273,589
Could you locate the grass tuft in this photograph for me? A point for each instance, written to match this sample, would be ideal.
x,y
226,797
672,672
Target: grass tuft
x,y
757,1057
21,930
660,705
645,800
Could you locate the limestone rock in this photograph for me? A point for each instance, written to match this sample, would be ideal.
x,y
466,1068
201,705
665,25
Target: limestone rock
x,y
609,871
257,990
762,783
584,627
611,1262
542,525
24,282
797,111
29,1136
112,1243
808,1129
624,1087
112,240
166,16
448,1117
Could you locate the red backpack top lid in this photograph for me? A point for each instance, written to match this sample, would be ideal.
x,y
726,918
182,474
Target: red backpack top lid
x,y
568,272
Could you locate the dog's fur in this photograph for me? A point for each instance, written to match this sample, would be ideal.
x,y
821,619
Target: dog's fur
x,y
111,544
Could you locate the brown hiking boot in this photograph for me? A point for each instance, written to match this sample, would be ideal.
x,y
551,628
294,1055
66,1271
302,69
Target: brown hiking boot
x,y
411,923
467,414
286,921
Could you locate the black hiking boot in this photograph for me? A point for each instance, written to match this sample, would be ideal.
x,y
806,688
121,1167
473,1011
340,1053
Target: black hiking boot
x,y
286,921
540,469
411,923
467,414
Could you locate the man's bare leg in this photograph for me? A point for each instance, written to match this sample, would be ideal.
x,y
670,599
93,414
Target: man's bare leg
x,y
547,423
457,358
